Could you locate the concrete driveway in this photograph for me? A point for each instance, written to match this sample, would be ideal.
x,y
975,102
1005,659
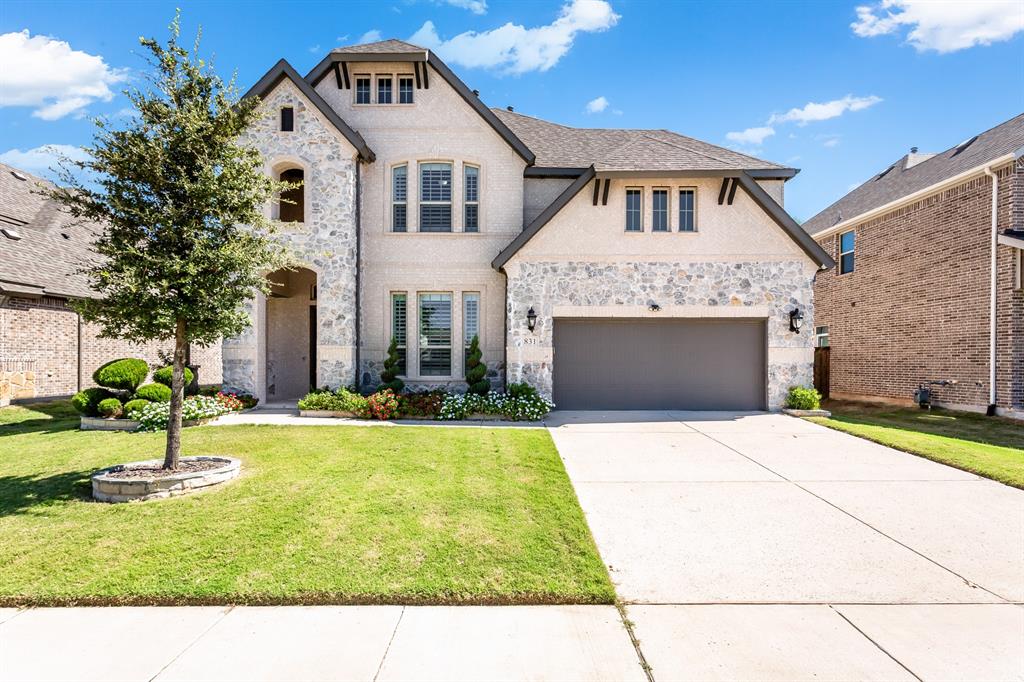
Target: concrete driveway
x,y
751,545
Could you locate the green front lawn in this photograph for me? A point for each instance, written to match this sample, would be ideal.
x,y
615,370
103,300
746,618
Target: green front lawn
x,y
321,514
987,446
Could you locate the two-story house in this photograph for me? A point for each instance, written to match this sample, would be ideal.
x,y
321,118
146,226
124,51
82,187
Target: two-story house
x,y
612,269
928,285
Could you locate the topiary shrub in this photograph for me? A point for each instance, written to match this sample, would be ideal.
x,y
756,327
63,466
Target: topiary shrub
x,y
110,407
124,374
135,405
476,371
155,393
521,390
389,375
163,376
803,398
87,402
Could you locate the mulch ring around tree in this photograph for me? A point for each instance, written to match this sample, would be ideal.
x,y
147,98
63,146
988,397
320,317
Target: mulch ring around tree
x,y
156,471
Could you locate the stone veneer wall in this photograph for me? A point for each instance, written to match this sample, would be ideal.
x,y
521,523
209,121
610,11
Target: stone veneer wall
x,y
682,289
324,243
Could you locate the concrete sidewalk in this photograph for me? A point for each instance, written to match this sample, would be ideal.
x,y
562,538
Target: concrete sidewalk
x,y
317,643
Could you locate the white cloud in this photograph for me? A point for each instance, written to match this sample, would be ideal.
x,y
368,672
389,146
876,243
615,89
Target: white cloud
x,y
813,111
831,142
597,105
314,48
751,136
474,6
513,48
942,26
371,36
42,160
45,73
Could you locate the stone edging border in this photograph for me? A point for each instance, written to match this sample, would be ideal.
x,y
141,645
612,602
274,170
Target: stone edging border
x,y
806,413
109,489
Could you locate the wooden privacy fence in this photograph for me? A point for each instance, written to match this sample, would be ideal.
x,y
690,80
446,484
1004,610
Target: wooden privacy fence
x,y
821,370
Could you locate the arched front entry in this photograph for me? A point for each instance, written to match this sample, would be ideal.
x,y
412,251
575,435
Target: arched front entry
x,y
291,334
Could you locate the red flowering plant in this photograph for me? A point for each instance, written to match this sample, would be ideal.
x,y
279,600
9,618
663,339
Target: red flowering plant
x,y
382,404
229,401
423,404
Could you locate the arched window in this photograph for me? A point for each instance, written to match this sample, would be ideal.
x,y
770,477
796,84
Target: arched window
x,y
295,211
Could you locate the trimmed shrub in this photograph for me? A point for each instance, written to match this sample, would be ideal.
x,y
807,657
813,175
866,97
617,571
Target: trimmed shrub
x,y
803,398
125,374
110,407
154,393
342,400
87,402
424,404
521,390
476,371
134,406
389,375
163,376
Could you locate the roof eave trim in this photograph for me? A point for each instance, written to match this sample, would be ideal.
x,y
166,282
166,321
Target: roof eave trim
x,y
693,173
786,222
543,219
283,70
553,172
1011,240
913,196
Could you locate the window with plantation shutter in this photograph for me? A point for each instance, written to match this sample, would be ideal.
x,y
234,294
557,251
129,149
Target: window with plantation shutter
x,y
435,197
435,312
471,222
399,328
470,320
399,194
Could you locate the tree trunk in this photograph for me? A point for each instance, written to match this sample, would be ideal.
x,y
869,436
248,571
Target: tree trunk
x,y
177,397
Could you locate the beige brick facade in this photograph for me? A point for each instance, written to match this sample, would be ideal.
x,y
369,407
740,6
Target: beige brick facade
x,y
916,307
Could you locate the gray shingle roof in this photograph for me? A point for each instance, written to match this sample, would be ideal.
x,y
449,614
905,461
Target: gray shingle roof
x,y
52,247
612,149
897,180
382,46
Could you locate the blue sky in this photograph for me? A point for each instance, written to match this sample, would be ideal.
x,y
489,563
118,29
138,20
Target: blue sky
x,y
838,89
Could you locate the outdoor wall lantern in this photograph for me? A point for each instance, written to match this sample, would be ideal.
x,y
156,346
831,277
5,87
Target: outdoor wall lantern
x,y
654,307
531,319
796,320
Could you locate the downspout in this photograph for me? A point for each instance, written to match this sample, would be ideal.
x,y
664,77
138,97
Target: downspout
x,y
992,295
78,369
359,264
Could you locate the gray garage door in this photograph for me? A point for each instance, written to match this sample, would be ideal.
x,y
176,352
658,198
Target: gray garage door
x,y
645,364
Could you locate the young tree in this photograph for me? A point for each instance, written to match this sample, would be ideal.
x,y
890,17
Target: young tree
x,y
180,200
389,375
476,371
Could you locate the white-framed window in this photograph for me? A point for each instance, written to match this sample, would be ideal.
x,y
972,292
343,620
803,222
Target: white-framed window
x,y
659,210
405,89
400,328
435,197
1018,282
471,199
821,337
287,119
846,248
634,209
435,334
399,198
687,209
470,321
362,90
384,93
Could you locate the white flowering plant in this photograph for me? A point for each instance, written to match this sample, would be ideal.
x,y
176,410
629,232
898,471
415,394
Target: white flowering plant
x,y
529,407
154,416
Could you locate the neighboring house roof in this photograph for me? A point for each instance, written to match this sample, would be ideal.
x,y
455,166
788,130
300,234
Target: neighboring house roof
x,y
397,50
901,178
778,214
283,70
615,149
43,247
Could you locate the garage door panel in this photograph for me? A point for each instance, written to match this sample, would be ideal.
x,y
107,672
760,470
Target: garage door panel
x,y
609,364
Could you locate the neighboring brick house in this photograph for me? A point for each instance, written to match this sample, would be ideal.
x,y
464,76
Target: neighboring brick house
x,y
909,300
612,269
45,349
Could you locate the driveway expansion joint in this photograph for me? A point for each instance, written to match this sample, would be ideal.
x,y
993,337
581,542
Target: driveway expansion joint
x,y
877,645
394,632
191,644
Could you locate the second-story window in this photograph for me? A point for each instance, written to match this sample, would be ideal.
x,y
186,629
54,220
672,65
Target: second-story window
x,y
634,209
435,197
287,119
471,183
362,89
383,89
846,247
399,197
405,90
687,209
659,210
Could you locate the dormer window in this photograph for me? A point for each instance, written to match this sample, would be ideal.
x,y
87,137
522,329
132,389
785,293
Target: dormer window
x,y
383,89
405,87
362,89
287,119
